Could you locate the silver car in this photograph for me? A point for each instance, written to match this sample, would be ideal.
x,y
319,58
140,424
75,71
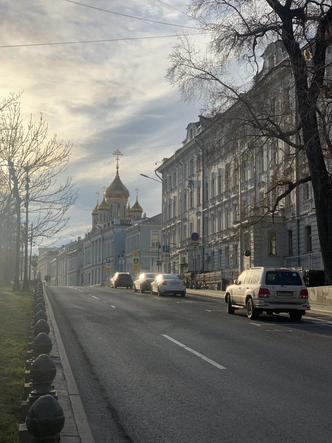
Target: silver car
x,y
270,290
168,284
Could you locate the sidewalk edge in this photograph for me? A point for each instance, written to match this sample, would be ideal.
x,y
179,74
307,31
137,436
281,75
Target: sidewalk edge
x,y
75,399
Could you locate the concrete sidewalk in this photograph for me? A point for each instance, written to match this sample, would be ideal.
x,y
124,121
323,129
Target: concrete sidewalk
x,y
322,309
76,428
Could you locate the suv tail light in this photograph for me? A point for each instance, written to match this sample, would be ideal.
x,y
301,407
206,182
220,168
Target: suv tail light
x,y
304,293
263,293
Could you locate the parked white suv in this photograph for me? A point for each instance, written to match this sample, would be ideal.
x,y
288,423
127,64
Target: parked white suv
x,y
270,290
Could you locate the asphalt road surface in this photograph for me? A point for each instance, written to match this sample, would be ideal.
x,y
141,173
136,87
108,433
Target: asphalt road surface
x,y
181,370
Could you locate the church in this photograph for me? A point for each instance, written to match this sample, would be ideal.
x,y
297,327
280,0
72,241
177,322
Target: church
x,y
119,233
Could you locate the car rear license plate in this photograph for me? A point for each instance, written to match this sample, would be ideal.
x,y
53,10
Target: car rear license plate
x,y
284,294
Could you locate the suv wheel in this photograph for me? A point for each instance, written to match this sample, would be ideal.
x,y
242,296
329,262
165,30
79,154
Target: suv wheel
x,y
295,315
230,308
251,310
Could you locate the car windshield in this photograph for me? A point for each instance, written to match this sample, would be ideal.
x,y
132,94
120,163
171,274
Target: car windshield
x,y
283,278
149,275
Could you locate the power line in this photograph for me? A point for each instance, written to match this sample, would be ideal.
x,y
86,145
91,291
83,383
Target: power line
x,y
129,16
173,7
90,41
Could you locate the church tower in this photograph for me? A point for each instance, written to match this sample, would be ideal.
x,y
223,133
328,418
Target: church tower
x,y
117,195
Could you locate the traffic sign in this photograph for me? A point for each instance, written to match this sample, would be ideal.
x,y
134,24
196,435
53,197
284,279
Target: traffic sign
x,y
166,248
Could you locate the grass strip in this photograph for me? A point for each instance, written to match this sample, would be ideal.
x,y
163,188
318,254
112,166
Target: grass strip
x,y
15,318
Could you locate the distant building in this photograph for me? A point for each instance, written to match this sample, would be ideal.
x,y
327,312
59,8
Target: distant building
x,y
94,258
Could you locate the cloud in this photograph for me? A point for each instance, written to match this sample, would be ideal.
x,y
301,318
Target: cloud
x,y
101,96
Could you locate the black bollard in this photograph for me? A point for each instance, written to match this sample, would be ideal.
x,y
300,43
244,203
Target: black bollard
x,y
42,344
39,316
42,373
45,420
41,326
39,299
39,307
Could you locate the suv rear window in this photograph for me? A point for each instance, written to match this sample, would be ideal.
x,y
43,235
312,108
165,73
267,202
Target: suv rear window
x,y
288,278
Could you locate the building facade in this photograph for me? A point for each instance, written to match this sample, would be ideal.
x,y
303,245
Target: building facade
x,y
221,212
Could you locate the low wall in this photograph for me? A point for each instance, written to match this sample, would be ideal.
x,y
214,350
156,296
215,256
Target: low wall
x,y
321,295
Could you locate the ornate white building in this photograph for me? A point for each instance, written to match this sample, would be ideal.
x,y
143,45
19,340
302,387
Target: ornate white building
x,y
221,185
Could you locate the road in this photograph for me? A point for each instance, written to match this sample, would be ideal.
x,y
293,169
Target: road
x,y
181,370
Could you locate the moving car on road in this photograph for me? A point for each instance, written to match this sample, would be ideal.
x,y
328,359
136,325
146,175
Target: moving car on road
x,y
143,282
122,279
270,290
168,284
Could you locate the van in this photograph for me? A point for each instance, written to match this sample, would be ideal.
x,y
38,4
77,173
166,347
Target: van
x,y
270,290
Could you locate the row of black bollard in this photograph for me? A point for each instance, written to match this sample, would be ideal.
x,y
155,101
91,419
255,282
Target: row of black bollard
x,y
43,415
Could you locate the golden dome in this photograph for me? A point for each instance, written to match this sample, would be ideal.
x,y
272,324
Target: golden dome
x,y
95,211
137,207
103,206
116,189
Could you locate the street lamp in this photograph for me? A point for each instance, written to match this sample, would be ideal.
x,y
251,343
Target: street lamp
x,y
158,261
151,178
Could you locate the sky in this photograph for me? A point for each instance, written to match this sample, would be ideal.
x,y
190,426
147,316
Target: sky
x,y
109,92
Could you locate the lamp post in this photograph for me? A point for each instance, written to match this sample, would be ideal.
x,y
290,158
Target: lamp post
x,y
158,261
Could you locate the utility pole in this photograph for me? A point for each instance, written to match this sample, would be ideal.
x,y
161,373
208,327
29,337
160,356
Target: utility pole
x,y
13,178
25,286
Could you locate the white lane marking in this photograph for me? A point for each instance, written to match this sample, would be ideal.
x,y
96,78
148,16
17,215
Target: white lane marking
x,y
208,310
255,324
79,290
112,306
217,365
97,298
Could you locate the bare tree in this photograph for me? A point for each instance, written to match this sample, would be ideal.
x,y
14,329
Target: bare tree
x,y
35,175
240,31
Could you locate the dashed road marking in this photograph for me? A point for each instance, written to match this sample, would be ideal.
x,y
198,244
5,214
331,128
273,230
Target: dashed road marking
x,y
203,357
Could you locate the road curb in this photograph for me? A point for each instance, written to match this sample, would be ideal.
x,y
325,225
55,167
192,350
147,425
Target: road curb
x,y
79,415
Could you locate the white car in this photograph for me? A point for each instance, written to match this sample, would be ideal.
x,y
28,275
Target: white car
x,y
168,284
270,290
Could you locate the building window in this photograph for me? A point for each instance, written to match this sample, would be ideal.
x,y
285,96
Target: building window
x,y
308,239
212,188
198,195
290,242
219,184
306,191
227,176
219,220
260,161
154,239
227,256
191,200
272,242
